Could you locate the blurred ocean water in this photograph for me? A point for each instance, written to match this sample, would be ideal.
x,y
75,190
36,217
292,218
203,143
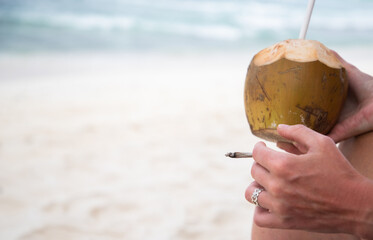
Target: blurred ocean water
x,y
176,25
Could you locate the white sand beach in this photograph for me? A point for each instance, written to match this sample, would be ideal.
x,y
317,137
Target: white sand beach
x,y
126,146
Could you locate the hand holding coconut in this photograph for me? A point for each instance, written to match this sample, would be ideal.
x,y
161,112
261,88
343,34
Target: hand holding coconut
x,y
312,186
357,115
303,82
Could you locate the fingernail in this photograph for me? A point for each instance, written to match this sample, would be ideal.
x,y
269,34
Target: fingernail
x,y
282,126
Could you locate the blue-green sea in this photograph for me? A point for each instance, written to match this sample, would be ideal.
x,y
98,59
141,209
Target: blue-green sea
x,y
177,25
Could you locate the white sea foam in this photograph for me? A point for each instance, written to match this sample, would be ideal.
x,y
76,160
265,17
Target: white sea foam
x,y
166,23
82,21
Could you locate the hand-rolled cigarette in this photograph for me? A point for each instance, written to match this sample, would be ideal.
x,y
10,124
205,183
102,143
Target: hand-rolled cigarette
x,y
239,155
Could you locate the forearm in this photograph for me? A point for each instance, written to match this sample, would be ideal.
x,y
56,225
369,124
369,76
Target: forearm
x,y
359,152
364,205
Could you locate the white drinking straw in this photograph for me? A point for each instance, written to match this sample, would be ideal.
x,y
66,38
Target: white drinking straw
x,y
303,30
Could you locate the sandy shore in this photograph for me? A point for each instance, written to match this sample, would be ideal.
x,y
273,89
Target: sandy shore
x,y
125,146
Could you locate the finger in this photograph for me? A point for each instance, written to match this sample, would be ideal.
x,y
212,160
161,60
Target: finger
x,y
265,156
354,125
350,106
344,62
267,219
260,175
288,147
299,134
264,199
356,79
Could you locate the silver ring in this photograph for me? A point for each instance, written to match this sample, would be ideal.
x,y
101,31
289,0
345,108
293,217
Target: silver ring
x,y
255,195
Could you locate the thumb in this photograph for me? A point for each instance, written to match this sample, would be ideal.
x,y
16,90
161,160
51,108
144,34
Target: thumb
x,y
298,134
342,60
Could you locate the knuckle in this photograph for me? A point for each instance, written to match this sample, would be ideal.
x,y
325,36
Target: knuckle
x,y
249,190
288,223
256,150
259,221
282,167
275,189
325,141
278,166
282,209
254,170
248,194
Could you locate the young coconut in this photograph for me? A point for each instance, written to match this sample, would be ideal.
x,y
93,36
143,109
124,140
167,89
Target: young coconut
x,y
294,82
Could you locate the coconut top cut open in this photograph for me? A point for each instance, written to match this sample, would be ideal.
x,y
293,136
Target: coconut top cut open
x,y
297,50
294,82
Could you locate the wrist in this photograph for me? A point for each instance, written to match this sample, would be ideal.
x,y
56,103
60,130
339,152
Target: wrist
x,y
364,220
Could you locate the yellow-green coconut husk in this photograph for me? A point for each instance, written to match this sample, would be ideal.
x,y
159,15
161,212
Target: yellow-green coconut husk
x,y
294,82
